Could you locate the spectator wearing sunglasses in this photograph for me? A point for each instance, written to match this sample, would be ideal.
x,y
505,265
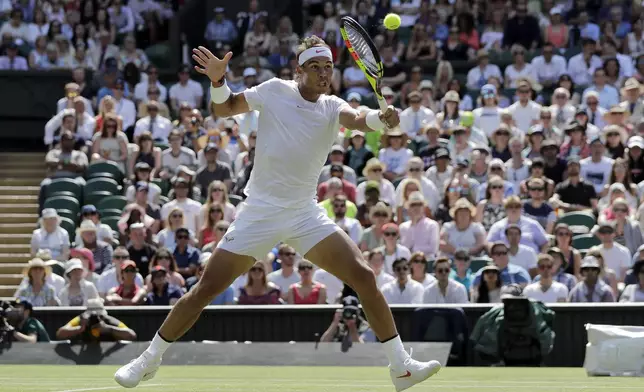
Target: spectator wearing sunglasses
x,y
419,233
165,258
306,291
352,225
111,277
496,167
221,228
186,256
128,292
537,207
392,250
284,277
508,273
403,290
546,289
161,291
444,290
259,290
418,269
215,213
153,94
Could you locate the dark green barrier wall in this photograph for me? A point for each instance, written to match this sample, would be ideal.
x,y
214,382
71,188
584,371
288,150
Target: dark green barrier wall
x,y
298,323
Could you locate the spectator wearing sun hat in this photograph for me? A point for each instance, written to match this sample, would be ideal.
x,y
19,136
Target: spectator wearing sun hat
x,y
36,290
104,232
78,290
55,271
50,236
441,172
374,172
420,233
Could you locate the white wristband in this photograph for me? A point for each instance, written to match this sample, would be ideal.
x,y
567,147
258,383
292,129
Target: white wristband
x,y
373,120
219,94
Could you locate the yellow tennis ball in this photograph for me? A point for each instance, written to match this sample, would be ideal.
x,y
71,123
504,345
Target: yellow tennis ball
x,y
392,21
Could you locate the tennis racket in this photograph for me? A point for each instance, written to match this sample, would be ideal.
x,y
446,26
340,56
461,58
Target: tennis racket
x,y
365,54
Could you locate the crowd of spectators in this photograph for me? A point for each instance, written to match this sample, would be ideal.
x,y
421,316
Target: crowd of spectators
x,y
483,184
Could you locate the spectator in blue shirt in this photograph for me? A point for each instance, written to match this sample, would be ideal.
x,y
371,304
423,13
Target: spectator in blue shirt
x,y
510,273
51,59
532,234
462,274
220,29
111,85
186,255
227,297
608,95
162,293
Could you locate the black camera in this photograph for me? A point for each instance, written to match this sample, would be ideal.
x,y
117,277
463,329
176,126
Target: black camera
x,y
93,318
350,308
6,330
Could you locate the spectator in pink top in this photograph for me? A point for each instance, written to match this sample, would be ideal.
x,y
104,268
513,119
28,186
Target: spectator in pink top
x,y
419,233
306,291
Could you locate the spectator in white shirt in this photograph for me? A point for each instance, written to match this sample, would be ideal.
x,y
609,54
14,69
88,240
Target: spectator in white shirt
x,y
546,289
159,126
15,26
581,66
123,106
286,275
141,88
595,114
176,156
11,61
50,236
519,254
72,90
416,116
477,76
563,112
525,111
350,225
444,290
616,257
191,208
376,261
548,67
418,267
597,168
186,90
519,68
488,117
392,249
403,290
395,154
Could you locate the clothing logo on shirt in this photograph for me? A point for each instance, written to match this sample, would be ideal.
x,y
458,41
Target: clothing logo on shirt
x,y
229,238
596,178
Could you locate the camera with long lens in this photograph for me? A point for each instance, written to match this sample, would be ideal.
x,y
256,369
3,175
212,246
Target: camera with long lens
x,y
93,318
6,330
350,309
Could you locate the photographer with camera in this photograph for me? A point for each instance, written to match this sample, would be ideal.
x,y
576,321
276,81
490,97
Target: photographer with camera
x,y
348,325
16,323
95,325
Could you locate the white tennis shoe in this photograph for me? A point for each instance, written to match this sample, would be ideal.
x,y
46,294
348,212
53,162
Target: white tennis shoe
x,y
412,373
143,368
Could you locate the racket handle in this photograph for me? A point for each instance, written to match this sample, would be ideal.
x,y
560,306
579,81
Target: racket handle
x,y
383,105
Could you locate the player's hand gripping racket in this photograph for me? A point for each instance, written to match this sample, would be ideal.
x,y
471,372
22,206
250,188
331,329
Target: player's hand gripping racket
x,y
365,54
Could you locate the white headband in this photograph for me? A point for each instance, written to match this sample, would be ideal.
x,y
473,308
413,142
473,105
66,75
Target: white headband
x,y
316,51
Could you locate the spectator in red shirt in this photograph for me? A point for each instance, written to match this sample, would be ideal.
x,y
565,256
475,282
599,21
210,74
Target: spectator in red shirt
x,y
337,171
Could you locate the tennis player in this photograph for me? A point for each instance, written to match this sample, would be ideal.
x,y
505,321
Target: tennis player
x,y
298,124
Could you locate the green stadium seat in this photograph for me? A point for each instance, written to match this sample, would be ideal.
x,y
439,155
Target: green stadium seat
x,y
71,215
101,184
579,222
104,169
160,55
570,52
63,203
585,241
95,197
112,202
110,212
235,199
69,226
112,222
477,263
64,187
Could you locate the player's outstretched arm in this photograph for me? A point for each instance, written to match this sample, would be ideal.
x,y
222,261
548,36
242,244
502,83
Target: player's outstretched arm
x,y
223,102
373,120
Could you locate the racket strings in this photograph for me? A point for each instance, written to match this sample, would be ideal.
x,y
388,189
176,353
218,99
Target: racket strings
x,y
361,47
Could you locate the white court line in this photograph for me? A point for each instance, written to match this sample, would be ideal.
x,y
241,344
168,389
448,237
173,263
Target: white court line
x,y
107,388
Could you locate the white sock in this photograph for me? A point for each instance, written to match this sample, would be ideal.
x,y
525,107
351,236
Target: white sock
x,y
158,346
395,352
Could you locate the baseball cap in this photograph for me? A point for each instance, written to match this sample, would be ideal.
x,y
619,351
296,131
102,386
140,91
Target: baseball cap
x,y
462,161
356,132
488,91
441,153
337,148
335,168
250,72
425,85
535,129
158,269
387,91
590,262
49,213
354,97
128,263
211,147
636,141
89,209
142,186
142,166
596,139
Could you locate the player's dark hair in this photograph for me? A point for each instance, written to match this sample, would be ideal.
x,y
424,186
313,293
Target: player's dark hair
x,y
309,42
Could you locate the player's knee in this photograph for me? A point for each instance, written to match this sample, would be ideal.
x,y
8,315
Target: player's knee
x,y
363,279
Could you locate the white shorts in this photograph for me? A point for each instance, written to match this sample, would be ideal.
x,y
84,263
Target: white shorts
x,y
257,229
